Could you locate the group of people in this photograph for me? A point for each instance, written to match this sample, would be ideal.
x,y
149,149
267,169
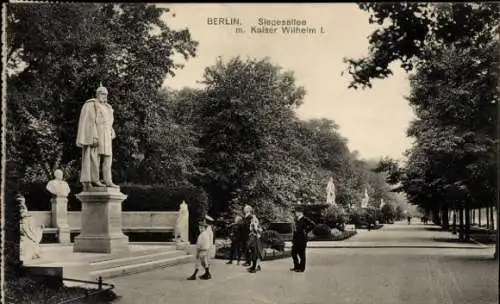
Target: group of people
x,y
245,235
246,243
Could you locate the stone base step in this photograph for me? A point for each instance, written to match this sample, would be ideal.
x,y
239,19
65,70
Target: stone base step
x,y
135,259
134,268
61,261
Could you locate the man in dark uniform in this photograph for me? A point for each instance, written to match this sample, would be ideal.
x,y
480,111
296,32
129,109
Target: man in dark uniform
x,y
302,227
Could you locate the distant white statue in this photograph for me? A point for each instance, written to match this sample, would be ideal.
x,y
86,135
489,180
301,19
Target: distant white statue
x,y
31,233
364,201
330,192
382,203
58,187
182,224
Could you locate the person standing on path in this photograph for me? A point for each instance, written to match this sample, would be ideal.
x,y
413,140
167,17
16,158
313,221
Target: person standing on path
x,y
302,227
203,245
245,233
210,228
255,244
235,235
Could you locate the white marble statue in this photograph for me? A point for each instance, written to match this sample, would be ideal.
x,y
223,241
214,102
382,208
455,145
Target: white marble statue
x,y
30,233
58,187
95,135
382,203
182,224
365,200
330,192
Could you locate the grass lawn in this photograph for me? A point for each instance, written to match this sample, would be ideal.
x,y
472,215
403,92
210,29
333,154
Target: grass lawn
x,y
36,290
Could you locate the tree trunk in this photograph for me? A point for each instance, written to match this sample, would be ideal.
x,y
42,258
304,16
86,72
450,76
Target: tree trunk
x,y
487,217
473,217
467,224
461,224
444,216
479,217
436,218
498,229
492,219
454,225
11,233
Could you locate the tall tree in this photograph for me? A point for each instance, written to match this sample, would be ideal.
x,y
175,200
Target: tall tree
x,y
57,55
55,66
246,104
408,28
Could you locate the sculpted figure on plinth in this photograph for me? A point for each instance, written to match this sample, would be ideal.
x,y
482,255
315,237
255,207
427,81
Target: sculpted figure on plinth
x,y
182,224
330,192
31,232
95,136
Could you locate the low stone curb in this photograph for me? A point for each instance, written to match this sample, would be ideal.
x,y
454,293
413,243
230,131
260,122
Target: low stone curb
x,y
402,245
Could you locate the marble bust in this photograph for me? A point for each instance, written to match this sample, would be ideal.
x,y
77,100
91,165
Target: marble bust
x,y
58,187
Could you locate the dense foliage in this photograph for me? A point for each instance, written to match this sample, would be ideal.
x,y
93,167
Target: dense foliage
x,y
452,50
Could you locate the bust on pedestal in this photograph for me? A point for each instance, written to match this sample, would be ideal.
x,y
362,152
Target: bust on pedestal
x,y
101,227
60,190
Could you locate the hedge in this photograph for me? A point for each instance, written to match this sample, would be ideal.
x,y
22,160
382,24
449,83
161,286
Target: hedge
x,y
140,197
38,290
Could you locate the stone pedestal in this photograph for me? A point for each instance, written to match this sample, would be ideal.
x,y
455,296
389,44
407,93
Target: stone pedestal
x,y
60,219
181,245
101,227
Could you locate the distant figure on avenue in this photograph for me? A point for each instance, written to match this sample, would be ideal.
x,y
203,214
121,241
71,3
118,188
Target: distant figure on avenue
x,y
409,219
235,234
182,224
303,225
58,187
255,243
30,233
95,136
245,234
203,245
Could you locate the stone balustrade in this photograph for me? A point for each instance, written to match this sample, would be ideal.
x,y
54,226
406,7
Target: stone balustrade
x,y
133,221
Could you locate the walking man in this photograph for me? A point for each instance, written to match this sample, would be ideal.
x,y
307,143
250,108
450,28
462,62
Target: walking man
x,y
303,226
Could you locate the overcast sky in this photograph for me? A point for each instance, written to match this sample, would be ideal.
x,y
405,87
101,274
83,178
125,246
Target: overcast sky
x,y
374,120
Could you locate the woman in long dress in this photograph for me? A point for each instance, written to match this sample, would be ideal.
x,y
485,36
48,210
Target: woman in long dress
x,y
31,233
255,244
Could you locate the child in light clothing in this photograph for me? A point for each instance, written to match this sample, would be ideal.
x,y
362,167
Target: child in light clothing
x,y
210,222
203,246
